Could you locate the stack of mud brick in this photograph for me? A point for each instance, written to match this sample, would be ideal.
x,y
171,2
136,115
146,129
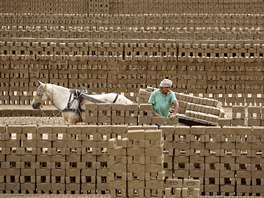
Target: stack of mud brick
x,y
134,114
254,116
238,115
89,159
197,154
182,188
117,167
145,163
227,161
212,160
12,143
256,160
246,116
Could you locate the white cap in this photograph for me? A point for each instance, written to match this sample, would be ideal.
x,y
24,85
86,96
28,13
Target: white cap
x,y
166,83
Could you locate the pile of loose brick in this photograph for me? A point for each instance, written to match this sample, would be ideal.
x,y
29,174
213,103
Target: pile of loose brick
x,y
90,159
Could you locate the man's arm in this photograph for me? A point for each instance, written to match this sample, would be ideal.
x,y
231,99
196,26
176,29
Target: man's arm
x,y
175,108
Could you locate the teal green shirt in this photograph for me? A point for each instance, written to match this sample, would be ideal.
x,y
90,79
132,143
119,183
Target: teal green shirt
x,y
161,103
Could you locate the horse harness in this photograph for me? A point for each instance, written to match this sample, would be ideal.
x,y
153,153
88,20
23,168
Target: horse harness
x,y
80,96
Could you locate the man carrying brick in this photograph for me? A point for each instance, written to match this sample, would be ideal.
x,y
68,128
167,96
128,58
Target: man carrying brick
x,y
162,99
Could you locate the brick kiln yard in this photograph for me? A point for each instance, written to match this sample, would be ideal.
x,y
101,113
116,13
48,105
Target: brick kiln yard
x,y
208,48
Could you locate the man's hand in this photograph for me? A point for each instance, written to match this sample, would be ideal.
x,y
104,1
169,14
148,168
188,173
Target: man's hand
x,y
172,116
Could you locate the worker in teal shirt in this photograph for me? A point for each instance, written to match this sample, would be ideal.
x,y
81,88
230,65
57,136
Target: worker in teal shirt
x,y
162,99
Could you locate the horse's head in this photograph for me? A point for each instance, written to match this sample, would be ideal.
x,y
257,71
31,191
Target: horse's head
x,y
41,96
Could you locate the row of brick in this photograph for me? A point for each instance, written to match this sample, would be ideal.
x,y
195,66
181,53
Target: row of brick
x,y
132,7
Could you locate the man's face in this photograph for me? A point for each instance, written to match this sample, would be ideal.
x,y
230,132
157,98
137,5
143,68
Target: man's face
x,y
165,90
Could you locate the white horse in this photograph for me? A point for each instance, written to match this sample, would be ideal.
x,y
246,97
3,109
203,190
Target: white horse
x,y
67,102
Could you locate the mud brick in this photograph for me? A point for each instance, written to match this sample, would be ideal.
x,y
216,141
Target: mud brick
x,y
136,135
43,187
153,151
157,176
154,167
73,165
181,173
28,162
211,189
89,178
224,121
254,122
154,159
144,120
44,133
182,134
12,178
244,190
103,188
157,144
88,188
118,151
153,134
58,165
212,165
118,192
182,151
119,130
28,177
12,187
117,168
42,172
73,176
131,113
136,168
117,184
28,187
257,190
72,188
153,192
117,176
43,162
136,159
104,109
196,165
58,187
12,161
227,189
190,183
238,122
158,120
173,183
104,130
168,132
135,184
135,176
138,192
91,111
112,144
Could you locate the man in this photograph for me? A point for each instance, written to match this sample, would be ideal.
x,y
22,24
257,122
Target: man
x,y
162,99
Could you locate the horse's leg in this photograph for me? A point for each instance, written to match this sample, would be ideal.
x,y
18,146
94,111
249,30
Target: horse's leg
x,y
73,118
